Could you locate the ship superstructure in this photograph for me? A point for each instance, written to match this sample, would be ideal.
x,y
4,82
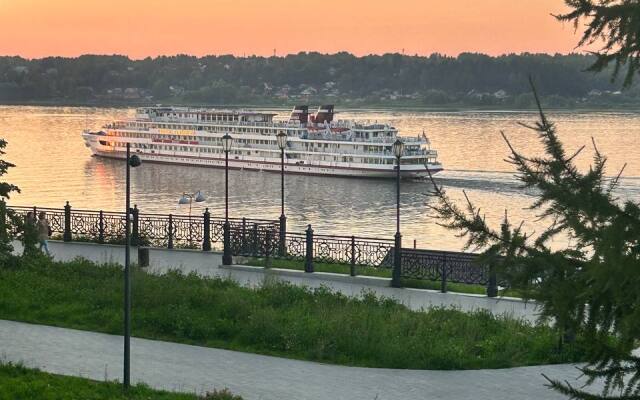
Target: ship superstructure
x,y
316,145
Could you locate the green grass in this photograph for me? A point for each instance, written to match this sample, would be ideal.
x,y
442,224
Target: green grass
x,y
20,383
276,318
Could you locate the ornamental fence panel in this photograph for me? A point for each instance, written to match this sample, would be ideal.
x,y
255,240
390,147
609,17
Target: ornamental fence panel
x,y
444,265
295,246
359,251
156,230
254,240
240,227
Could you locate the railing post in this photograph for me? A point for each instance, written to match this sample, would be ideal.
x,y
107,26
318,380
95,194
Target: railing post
x,y
492,284
245,250
206,220
308,265
254,241
352,271
443,274
3,221
66,236
267,249
396,274
282,248
101,227
227,258
135,230
170,232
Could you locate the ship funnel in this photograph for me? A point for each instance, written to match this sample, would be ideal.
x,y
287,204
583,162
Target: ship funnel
x,y
324,114
300,113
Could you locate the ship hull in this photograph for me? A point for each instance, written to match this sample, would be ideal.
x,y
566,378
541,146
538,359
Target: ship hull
x,y
272,165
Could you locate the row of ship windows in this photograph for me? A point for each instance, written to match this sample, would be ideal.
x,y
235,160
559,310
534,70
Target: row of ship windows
x,y
190,138
363,160
203,117
234,129
366,148
250,129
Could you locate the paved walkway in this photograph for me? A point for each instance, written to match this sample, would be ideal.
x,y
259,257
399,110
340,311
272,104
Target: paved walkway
x,y
195,369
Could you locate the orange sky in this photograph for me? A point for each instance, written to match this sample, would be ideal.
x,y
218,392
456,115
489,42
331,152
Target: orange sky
x,y
140,28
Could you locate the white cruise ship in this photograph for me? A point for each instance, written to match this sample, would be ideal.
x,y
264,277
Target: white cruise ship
x,y
317,145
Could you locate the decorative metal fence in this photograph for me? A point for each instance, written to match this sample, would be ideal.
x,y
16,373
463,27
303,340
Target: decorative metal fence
x,y
154,230
352,252
449,266
266,241
262,238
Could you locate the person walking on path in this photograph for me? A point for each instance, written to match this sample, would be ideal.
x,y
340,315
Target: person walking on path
x,y
30,233
44,231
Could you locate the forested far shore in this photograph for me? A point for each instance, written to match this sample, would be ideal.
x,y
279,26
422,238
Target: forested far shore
x,y
435,81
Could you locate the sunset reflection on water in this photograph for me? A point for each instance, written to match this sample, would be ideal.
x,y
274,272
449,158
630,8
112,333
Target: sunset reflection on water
x,y
54,166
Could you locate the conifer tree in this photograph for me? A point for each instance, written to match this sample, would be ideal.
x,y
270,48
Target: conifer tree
x,y
9,219
591,287
616,25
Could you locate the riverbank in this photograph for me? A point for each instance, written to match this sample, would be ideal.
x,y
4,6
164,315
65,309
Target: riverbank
x,y
285,107
275,319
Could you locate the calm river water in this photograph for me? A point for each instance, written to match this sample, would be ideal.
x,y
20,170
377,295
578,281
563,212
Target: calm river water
x,y
54,166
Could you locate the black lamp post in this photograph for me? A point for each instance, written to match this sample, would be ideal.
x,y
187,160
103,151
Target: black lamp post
x,y
398,150
227,142
282,144
132,161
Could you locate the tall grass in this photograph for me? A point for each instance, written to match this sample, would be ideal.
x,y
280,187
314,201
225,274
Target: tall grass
x,y
276,318
20,383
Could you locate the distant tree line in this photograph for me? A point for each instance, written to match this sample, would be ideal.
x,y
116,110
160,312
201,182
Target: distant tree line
x,y
342,78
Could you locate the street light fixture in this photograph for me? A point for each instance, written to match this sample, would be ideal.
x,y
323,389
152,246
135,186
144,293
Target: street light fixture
x,y
189,198
132,161
227,142
282,144
398,151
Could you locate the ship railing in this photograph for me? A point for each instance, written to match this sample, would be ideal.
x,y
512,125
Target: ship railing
x,y
361,153
390,140
332,137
